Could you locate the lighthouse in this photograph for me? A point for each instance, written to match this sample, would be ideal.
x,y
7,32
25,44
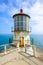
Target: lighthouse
x,y
21,29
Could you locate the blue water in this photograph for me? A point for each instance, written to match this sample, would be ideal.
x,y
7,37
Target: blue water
x,y
37,40
4,39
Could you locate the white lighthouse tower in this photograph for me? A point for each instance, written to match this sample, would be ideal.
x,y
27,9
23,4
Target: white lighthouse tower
x,y
21,29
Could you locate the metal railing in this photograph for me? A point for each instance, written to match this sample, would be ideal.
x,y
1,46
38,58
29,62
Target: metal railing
x,y
36,51
4,48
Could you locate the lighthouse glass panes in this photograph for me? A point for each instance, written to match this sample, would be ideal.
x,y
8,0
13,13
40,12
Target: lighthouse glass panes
x,y
21,23
15,24
24,22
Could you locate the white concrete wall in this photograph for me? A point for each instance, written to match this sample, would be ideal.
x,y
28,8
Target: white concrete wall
x,y
27,38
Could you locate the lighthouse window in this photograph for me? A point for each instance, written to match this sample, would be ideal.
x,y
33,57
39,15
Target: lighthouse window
x,y
20,28
24,26
17,23
24,23
14,28
24,18
17,18
21,23
14,24
21,18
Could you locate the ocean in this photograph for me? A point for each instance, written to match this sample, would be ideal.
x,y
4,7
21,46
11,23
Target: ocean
x,y
5,39
36,40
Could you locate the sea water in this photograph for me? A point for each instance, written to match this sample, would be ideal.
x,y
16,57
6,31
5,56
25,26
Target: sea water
x,y
37,40
4,39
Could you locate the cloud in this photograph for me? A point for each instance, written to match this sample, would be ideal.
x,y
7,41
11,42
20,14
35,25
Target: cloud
x,y
6,25
37,9
36,13
3,7
4,20
14,6
34,8
12,11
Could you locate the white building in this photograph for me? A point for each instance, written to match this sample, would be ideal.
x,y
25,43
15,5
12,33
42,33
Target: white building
x,y
21,29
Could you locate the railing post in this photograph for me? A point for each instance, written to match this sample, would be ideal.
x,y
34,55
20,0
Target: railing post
x,y
5,51
25,48
35,51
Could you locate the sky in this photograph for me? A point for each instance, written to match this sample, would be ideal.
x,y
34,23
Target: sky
x,y
34,8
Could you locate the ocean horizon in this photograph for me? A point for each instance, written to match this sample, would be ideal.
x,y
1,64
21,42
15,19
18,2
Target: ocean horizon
x,y
37,40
